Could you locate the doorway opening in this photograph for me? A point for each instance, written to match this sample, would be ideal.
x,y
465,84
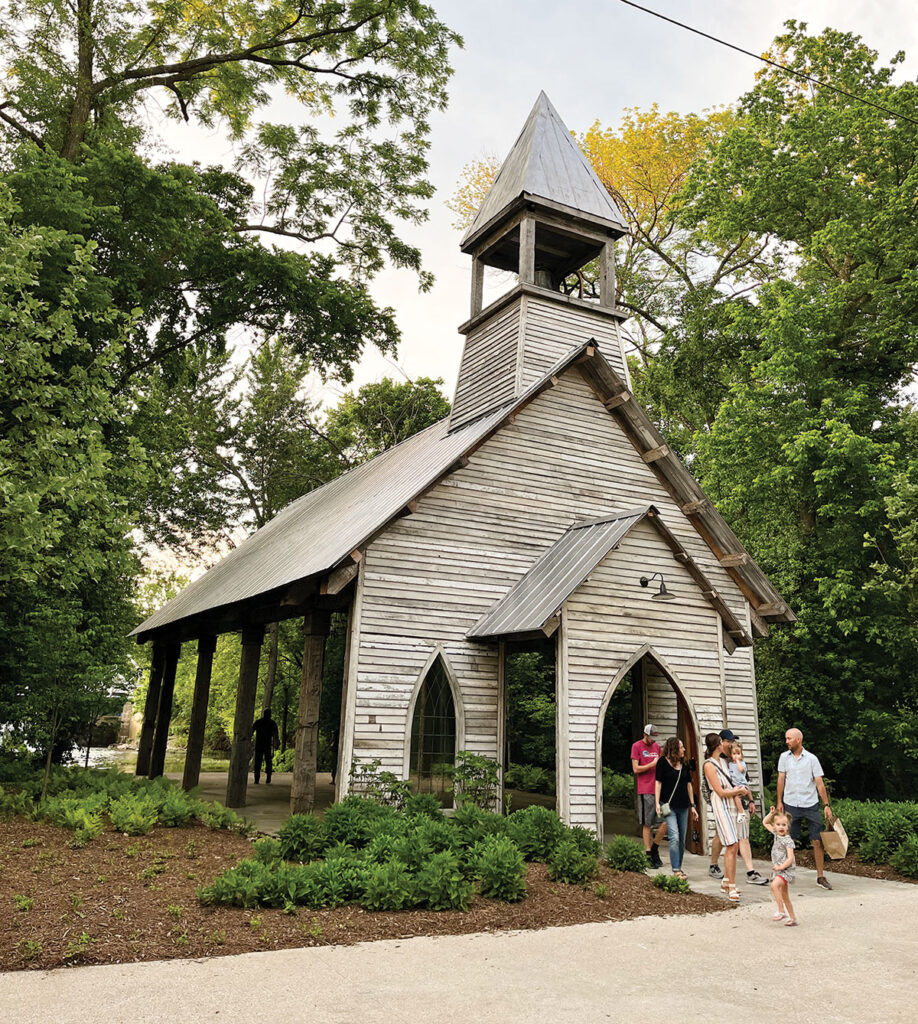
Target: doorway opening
x,y
530,723
646,693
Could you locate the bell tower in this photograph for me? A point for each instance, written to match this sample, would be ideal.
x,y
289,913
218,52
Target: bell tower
x,y
546,216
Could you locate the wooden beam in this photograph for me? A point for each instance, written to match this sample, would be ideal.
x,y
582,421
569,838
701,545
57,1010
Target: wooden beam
x,y
164,711
237,780
527,250
303,788
660,452
339,579
198,721
691,507
150,708
729,643
779,608
617,400
731,560
759,625
550,627
607,275
477,285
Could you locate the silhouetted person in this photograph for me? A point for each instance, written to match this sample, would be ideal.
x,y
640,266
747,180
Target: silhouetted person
x,y
266,737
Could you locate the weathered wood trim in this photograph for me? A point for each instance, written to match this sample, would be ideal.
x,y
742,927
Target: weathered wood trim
x,y
502,757
562,726
339,578
349,696
438,651
644,650
164,710
660,452
150,708
739,558
616,400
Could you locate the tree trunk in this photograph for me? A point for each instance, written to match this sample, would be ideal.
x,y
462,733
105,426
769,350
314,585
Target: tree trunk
x,y
88,741
82,101
273,630
303,789
55,723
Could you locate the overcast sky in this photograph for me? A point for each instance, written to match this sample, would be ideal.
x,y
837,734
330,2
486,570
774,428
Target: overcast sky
x,y
593,59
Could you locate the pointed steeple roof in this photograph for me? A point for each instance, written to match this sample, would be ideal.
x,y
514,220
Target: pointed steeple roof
x,y
545,163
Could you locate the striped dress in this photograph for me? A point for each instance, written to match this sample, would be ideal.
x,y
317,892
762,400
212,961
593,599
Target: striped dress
x,y
724,811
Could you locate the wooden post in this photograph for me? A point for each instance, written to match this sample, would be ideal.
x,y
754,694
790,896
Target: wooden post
x,y
164,711
527,250
477,285
145,746
206,647
607,276
252,637
303,789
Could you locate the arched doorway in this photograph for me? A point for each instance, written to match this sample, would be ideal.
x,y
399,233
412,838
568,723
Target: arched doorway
x,y
644,690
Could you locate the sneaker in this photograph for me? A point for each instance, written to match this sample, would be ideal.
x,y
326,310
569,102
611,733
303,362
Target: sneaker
x,y
754,878
715,872
824,882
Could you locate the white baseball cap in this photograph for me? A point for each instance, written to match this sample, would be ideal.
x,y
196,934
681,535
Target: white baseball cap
x,y
650,730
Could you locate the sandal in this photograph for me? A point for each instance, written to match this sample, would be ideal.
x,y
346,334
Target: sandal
x,y
791,922
779,916
735,896
679,873
726,886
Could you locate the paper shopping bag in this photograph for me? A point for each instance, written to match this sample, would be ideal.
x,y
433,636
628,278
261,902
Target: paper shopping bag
x,y
835,840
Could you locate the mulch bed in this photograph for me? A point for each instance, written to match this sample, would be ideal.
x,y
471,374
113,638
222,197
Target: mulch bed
x,y
122,899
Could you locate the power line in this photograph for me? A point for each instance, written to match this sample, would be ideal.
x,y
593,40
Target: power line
x,y
773,63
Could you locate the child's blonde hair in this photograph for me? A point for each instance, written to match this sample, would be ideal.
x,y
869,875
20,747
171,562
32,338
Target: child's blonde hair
x,y
737,747
781,814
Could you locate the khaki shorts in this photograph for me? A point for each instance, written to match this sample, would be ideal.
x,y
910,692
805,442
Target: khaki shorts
x,y
646,809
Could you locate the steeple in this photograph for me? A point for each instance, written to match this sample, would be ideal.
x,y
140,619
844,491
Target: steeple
x,y
546,216
545,168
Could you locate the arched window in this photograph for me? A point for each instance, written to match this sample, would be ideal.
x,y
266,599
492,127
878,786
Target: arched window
x,y
433,731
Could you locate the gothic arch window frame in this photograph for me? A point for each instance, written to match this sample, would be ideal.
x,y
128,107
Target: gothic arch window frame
x,y
645,650
458,706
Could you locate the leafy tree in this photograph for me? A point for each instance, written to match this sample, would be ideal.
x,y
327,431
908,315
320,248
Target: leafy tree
x,y
810,451
64,561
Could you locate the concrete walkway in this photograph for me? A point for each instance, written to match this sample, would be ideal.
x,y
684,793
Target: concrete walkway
x,y
854,958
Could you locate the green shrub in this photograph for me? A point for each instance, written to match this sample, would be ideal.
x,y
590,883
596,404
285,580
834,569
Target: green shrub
x,y
441,883
536,831
905,859
134,813
214,815
759,836
617,789
236,887
585,840
302,837
475,779
529,778
626,854
352,821
570,864
471,824
268,851
874,849
284,762
388,886
423,804
18,804
670,883
177,808
336,882
500,868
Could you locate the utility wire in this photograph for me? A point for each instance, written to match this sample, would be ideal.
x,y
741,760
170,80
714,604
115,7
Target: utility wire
x,y
773,63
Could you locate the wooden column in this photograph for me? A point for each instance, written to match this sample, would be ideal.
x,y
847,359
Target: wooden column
x,y
303,789
164,711
206,647
477,285
607,275
527,250
145,746
252,637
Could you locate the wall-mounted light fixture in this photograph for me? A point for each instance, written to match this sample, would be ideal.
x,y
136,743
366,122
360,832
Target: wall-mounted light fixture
x,y
662,594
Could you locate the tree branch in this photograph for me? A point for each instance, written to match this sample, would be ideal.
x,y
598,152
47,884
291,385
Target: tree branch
x,y
21,128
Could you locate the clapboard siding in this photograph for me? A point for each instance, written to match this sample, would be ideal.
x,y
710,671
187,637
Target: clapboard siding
x,y
551,331
429,576
488,372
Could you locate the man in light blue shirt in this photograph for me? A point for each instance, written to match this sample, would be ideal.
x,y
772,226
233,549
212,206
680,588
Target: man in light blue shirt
x,y
800,788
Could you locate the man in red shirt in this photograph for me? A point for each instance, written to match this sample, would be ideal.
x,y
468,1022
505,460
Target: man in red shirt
x,y
644,756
